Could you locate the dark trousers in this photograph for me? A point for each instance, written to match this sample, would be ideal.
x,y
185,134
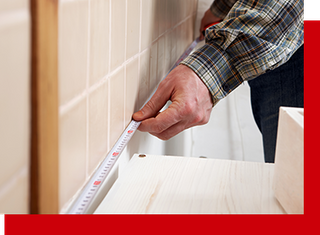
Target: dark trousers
x,y
282,86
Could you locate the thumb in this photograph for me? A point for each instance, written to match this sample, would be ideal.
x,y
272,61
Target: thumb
x,y
154,105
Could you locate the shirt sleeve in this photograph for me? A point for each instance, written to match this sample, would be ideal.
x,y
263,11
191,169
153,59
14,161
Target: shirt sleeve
x,y
254,37
221,8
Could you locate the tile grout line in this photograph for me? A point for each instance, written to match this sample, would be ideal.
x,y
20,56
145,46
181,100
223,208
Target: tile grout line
x,y
65,107
108,76
140,25
87,91
139,53
125,67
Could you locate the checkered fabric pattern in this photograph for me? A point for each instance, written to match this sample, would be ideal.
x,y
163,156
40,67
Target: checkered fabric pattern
x,y
254,37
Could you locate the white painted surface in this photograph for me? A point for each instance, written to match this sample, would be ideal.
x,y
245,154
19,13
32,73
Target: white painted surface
x,y
1,224
311,10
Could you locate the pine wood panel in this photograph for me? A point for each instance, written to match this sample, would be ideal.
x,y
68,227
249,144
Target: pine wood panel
x,y
166,184
44,141
289,160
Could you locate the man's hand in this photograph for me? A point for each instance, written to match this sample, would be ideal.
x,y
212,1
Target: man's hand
x,y
207,19
191,105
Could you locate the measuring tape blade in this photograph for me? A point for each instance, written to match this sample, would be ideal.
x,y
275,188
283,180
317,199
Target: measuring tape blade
x,y
88,193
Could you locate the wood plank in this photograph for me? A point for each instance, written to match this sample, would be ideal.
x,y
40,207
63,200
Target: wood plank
x,y
289,160
44,140
166,184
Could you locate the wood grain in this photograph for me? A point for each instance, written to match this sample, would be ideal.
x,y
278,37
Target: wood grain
x,y
44,139
182,185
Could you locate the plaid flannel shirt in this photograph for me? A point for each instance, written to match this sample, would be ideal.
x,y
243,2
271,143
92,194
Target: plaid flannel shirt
x,y
254,37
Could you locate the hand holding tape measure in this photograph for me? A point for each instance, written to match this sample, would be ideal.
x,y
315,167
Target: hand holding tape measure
x,y
88,193
189,83
191,104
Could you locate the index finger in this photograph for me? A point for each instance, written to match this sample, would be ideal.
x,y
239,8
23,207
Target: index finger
x,y
154,105
162,121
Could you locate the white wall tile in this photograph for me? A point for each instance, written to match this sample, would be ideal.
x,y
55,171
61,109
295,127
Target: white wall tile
x,y
162,9
73,45
148,17
98,126
153,66
144,90
133,28
161,59
179,38
72,151
184,37
132,86
155,19
14,196
189,7
182,13
174,46
116,109
167,60
190,29
14,96
8,5
173,8
168,14
99,39
118,16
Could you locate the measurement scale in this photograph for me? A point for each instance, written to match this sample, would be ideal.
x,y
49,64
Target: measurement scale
x,y
87,194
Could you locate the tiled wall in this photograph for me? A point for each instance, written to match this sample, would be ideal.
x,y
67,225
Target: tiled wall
x,y
14,105
112,55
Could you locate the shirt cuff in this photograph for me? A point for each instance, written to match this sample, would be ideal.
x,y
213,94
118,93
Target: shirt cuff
x,y
212,65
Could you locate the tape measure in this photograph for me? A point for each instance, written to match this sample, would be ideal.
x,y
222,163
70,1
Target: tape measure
x,y
87,194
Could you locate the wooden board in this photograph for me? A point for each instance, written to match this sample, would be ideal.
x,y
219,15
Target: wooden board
x,y
44,79
166,184
289,160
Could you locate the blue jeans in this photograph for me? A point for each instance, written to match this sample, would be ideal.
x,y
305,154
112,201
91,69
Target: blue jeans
x,y
282,86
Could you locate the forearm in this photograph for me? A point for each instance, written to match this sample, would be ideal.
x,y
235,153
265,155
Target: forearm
x,y
254,37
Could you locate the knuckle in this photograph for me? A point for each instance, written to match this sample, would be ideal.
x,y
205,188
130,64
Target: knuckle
x,y
198,118
187,110
205,120
205,117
